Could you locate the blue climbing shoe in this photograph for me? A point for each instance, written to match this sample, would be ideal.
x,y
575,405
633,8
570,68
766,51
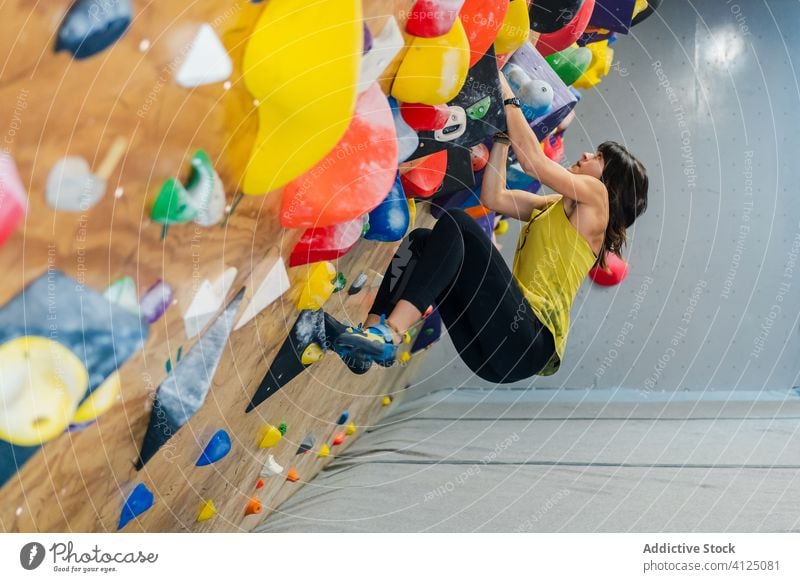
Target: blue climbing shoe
x,y
374,344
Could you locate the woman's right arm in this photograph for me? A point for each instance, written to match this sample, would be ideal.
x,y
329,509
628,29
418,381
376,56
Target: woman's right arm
x,y
497,197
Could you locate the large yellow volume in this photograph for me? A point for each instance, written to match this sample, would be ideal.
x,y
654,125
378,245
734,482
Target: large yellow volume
x,y
434,69
301,64
41,384
515,29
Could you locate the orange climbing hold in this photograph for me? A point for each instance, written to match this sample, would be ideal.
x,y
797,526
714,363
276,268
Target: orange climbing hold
x,y
292,475
424,176
338,439
253,506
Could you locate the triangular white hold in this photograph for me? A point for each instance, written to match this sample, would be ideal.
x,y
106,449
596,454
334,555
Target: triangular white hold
x,y
271,467
207,62
384,49
275,284
207,301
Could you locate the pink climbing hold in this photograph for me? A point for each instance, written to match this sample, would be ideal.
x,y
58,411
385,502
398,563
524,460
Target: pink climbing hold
x,y
432,18
421,117
615,272
13,198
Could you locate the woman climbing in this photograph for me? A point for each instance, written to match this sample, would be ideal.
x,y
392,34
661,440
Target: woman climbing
x,y
507,324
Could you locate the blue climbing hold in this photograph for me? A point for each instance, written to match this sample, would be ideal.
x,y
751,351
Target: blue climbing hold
x,y
389,221
139,501
217,447
90,26
344,417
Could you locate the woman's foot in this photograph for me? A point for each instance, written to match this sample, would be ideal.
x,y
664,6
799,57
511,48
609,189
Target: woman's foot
x,y
377,343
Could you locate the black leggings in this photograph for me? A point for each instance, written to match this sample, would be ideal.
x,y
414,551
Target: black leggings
x,y
457,268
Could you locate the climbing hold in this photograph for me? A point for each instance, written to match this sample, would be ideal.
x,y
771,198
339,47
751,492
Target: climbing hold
x,y
217,447
312,354
307,444
202,200
275,283
570,63
421,117
389,221
430,332
407,138
292,475
552,15
326,243
207,511
502,227
260,484
515,28
184,391
434,69
387,400
92,25
318,69
536,95
404,358
351,429
357,285
424,176
558,40
431,18
207,62
482,20
207,302
317,286
385,48
140,500
98,402
42,383
155,301
412,212
122,292
602,56
553,146
343,417
338,439
269,437
613,15
13,197
253,506
354,176
324,451
271,467
479,155
339,282
479,109
71,185
615,272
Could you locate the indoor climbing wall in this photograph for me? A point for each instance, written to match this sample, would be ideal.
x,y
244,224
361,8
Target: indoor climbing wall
x,y
192,198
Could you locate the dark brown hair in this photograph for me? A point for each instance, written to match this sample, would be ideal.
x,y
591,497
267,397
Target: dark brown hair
x,y
625,178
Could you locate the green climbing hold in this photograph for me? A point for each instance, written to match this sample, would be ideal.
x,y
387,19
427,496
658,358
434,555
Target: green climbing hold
x,y
570,63
201,200
282,428
479,109
339,282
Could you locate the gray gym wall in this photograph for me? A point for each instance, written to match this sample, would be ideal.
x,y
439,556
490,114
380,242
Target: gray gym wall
x,y
712,299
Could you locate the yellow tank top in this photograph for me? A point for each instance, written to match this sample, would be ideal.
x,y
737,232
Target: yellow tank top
x,y
551,262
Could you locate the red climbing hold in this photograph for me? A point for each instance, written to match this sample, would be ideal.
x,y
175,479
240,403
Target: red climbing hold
x,y
423,176
557,41
482,20
432,18
421,117
553,146
338,439
616,271
480,156
259,484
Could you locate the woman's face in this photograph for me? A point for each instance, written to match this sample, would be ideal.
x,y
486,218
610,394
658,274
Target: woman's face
x,y
590,164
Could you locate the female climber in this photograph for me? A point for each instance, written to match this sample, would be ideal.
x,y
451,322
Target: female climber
x,y
507,324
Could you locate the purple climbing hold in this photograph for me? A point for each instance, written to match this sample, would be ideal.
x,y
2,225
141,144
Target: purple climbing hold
x,y
155,301
367,39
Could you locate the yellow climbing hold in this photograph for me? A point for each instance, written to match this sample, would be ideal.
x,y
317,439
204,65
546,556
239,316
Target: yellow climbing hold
x,y
100,400
41,384
434,69
270,436
351,429
387,400
405,357
412,213
301,65
324,451
313,353
514,31
317,285
501,228
208,511
602,55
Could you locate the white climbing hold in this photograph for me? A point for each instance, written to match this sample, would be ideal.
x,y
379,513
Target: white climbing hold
x,y
271,467
275,284
207,61
207,301
384,49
